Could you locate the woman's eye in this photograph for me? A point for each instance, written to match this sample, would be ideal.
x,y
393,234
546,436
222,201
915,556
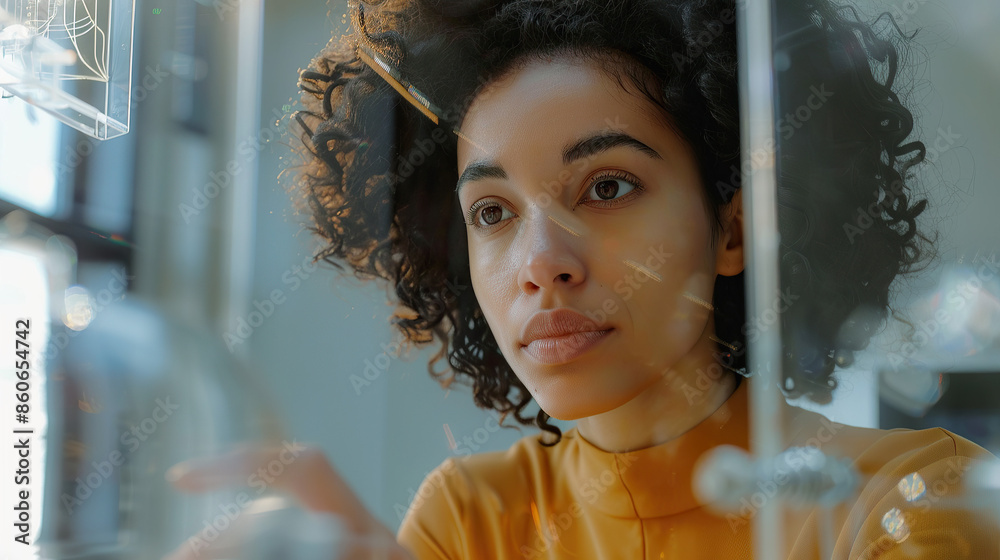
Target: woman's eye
x,y
487,214
609,188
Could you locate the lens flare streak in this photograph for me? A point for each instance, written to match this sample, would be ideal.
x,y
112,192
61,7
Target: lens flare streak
x,y
643,270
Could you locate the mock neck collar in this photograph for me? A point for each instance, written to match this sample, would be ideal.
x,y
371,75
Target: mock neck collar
x,y
655,481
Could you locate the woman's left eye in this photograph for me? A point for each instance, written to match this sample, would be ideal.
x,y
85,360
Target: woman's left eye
x,y
608,187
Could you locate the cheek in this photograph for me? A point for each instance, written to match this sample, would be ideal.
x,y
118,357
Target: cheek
x,y
676,248
673,246
483,269
489,278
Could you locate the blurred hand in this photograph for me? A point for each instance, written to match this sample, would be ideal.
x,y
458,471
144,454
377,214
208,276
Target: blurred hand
x,y
304,474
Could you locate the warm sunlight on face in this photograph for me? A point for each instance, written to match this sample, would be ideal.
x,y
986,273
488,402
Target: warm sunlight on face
x,y
614,229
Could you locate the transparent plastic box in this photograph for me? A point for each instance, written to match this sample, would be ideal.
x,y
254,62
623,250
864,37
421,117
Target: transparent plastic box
x,y
71,58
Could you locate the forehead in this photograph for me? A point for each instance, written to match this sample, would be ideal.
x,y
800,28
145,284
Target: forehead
x,y
546,103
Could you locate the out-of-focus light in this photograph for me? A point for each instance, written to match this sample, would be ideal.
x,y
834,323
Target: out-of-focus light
x,y
88,405
912,487
894,524
451,438
962,316
79,308
28,153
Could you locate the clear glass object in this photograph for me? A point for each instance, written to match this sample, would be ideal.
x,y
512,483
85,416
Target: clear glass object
x,y
72,58
874,474
120,391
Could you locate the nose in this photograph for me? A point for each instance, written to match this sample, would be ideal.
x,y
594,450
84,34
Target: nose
x,y
551,257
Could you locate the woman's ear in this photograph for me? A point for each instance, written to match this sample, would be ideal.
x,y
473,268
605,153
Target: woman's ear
x,y
729,251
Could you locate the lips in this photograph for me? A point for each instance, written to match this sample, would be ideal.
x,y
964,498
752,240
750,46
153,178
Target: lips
x,y
560,335
556,323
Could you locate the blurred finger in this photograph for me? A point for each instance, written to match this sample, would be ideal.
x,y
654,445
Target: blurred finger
x,y
232,467
299,470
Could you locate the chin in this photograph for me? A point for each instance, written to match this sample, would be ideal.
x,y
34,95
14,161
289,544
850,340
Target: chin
x,y
566,406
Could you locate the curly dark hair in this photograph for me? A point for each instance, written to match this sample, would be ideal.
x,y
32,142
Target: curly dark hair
x,y
378,177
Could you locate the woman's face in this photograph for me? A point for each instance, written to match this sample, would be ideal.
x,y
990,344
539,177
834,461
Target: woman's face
x,y
615,230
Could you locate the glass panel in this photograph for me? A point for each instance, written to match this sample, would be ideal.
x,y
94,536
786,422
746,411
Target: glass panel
x,y
71,58
101,408
889,298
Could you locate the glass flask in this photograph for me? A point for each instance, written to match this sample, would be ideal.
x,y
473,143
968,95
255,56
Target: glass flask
x,y
119,392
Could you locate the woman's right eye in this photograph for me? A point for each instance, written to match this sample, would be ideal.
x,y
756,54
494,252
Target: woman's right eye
x,y
491,215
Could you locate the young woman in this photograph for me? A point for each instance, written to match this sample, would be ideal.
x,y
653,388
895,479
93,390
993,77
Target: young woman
x,y
576,163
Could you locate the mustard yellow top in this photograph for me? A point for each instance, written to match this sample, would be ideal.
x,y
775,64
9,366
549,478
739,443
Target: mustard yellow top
x,y
575,501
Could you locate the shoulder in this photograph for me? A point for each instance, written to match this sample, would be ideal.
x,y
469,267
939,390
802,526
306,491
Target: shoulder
x,y
878,450
883,458
911,500
464,493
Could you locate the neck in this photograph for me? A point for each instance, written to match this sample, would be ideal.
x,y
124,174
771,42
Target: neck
x,y
686,394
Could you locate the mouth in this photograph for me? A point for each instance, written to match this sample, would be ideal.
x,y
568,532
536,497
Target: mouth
x,y
562,349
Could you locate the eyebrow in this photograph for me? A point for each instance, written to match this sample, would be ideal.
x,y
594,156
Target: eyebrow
x,y
586,147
